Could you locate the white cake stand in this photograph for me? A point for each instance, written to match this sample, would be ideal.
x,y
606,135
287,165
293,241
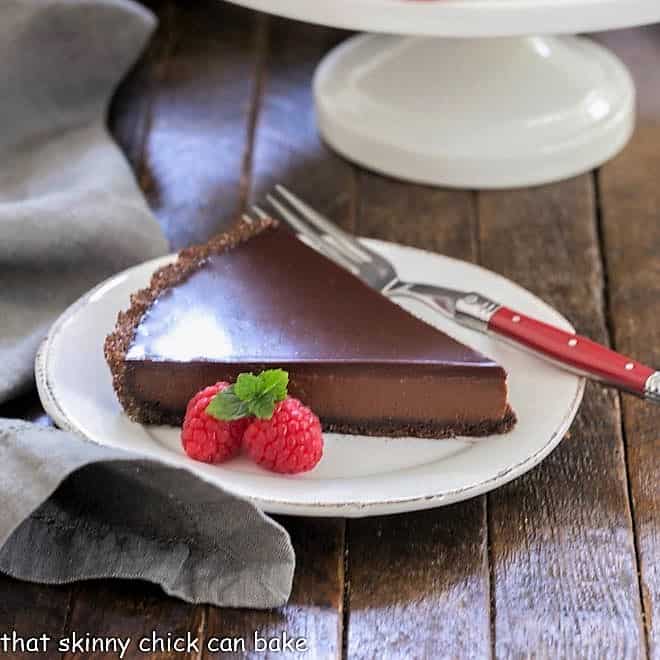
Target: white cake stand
x,y
494,108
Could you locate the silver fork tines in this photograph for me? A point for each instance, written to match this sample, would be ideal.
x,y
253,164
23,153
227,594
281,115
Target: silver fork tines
x,y
306,233
325,226
328,239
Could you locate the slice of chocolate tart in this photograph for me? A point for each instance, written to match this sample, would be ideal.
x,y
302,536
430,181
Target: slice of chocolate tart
x,y
257,298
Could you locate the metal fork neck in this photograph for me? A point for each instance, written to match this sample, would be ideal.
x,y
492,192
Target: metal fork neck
x,y
475,311
470,309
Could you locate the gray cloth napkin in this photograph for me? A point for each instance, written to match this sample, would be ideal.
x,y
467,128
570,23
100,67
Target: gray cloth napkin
x,y
71,215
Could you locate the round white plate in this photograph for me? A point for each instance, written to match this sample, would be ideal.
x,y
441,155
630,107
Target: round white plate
x,y
467,18
358,476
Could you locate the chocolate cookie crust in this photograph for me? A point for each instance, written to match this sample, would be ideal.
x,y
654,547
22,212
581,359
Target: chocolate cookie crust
x,y
432,430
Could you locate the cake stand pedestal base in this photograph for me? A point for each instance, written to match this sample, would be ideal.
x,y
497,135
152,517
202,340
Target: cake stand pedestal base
x,y
474,113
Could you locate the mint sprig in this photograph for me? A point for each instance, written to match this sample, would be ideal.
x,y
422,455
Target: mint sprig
x,y
250,395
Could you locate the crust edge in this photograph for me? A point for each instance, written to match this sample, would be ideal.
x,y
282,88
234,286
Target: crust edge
x,y
431,430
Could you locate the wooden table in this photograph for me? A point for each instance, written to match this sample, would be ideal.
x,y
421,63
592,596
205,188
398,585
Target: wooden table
x,y
563,562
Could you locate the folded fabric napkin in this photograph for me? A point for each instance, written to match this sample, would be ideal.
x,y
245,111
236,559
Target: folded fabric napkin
x,y
71,214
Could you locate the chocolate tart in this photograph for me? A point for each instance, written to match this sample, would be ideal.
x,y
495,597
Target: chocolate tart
x,y
257,297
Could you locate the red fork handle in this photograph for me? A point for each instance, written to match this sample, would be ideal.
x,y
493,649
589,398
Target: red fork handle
x,y
577,353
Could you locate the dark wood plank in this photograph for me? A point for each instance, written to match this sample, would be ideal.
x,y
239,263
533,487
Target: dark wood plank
x,y
288,150
200,83
565,571
411,574
129,114
630,210
419,584
32,610
137,611
630,203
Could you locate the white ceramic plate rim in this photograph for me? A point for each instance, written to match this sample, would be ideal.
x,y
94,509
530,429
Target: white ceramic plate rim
x,y
467,18
351,508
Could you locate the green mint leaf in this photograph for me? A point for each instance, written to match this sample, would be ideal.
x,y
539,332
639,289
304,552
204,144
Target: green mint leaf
x,y
227,406
246,387
274,382
263,406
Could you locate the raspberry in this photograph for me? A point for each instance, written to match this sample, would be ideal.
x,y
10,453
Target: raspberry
x,y
290,441
205,438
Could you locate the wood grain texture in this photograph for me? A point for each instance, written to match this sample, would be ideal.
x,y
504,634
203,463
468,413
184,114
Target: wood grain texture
x,y
562,549
288,148
630,219
419,583
630,201
138,610
32,610
129,114
199,77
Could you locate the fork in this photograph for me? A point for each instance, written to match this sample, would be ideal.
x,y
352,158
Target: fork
x,y
567,350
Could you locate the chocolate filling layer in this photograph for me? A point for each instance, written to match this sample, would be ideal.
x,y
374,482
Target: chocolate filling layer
x,y
345,396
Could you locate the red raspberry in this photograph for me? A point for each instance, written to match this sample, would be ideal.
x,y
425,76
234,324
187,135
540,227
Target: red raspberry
x,y
290,441
205,438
